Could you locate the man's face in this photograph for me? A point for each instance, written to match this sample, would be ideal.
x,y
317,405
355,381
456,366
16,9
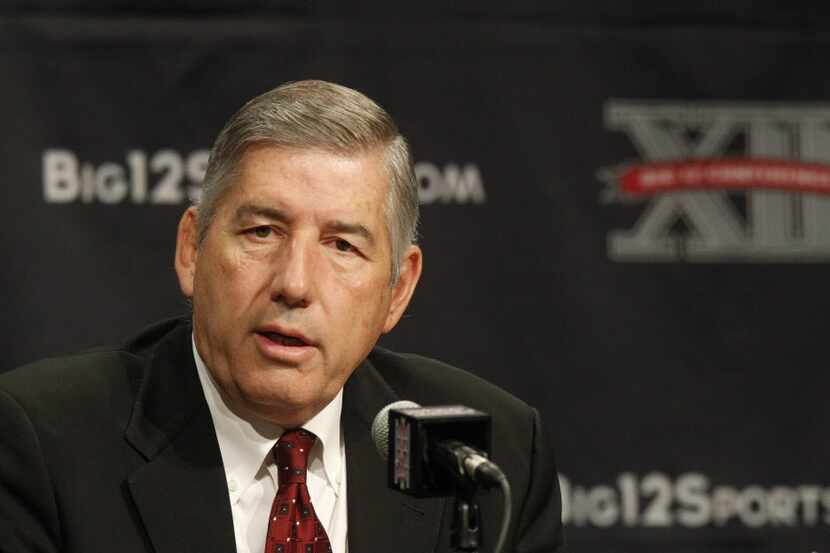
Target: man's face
x,y
291,284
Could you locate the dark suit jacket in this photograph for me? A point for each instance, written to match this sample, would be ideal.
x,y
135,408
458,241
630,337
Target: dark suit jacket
x,y
115,450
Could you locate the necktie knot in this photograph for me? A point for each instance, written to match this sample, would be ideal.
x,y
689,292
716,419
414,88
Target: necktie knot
x,y
291,452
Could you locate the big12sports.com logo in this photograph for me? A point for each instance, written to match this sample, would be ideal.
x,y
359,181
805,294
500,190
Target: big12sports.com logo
x,y
722,182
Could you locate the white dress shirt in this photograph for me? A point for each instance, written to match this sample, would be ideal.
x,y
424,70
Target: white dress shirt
x,y
252,474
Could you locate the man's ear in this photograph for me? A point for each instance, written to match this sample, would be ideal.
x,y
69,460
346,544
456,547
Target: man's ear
x,y
402,291
187,250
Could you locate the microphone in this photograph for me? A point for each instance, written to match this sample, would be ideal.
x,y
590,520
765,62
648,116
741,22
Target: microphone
x,y
432,450
380,426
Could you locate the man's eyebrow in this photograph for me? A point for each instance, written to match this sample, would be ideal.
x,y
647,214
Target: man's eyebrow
x,y
246,211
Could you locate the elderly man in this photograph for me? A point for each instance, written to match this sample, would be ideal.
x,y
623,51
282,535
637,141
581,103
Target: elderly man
x,y
246,426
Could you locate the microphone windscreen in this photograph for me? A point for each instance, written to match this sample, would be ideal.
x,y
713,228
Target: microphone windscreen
x,y
380,426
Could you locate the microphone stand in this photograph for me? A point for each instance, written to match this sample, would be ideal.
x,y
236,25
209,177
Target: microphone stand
x,y
465,533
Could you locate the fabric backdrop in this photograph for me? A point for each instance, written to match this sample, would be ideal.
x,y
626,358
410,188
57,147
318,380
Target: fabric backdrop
x,y
629,228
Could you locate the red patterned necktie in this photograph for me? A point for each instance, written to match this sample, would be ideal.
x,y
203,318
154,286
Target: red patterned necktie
x,y
293,527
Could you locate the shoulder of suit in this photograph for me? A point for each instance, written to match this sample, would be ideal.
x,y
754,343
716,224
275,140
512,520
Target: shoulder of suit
x,y
431,382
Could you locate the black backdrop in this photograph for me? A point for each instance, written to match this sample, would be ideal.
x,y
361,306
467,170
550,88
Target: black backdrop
x,y
625,221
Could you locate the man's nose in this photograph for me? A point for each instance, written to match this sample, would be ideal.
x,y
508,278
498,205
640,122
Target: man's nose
x,y
292,283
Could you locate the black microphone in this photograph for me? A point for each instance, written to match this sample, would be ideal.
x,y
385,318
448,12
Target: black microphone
x,y
432,450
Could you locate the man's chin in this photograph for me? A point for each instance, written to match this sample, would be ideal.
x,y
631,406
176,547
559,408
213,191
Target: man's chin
x,y
286,410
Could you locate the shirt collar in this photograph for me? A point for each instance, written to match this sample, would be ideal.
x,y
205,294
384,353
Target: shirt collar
x,y
245,444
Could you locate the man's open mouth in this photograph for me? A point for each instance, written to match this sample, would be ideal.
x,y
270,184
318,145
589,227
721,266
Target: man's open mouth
x,y
282,339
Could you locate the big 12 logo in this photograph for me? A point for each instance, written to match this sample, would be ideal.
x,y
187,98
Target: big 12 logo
x,y
765,219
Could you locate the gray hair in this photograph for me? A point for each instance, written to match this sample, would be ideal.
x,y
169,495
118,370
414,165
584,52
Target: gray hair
x,y
317,114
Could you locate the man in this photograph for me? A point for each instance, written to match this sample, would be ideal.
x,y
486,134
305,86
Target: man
x,y
299,256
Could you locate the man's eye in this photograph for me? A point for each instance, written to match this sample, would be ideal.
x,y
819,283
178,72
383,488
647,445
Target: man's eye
x,y
343,245
261,232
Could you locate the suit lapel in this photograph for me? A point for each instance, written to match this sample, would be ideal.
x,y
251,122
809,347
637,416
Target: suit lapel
x,y
380,519
180,493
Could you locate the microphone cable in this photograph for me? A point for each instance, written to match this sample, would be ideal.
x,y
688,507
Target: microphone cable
x,y
506,515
